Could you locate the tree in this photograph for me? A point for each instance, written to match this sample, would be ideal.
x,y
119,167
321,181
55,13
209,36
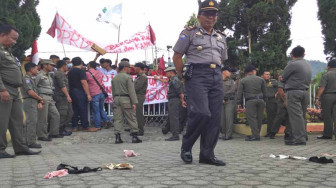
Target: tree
x,y
192,21
23,16
327,16
260,28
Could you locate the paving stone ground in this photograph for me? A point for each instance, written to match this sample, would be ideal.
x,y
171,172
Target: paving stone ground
x,y
159,164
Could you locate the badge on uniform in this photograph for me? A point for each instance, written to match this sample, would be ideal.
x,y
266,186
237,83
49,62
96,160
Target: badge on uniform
x,y
199,48
27,81
219,38
199,33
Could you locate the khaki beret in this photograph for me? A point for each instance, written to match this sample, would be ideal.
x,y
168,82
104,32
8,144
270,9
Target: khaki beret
x,y
47,61
170,69
124,64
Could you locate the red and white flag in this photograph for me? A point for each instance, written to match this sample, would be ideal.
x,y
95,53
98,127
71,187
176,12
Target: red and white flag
x,y
34,54
162,67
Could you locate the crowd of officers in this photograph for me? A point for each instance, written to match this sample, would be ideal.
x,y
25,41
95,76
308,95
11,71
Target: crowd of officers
x,y
263,94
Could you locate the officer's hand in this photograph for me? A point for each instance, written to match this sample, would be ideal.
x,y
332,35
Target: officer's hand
x,y
317,103
184,104
89,98
134,106
4,96
223,101
239,107
39,106
69,99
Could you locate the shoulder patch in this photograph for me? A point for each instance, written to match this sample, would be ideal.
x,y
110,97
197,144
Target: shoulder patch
x,y
27,81
190,28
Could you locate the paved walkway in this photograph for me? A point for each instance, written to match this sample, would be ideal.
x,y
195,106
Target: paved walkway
x,y
159,164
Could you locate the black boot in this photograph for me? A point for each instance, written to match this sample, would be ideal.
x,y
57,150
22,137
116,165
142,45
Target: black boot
x,y
135,138
118,139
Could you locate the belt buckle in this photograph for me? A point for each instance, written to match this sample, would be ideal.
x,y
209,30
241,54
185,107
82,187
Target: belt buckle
x,y
212,66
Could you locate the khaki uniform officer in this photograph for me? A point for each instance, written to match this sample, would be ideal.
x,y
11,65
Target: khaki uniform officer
x,y
49,112
174,95
30,104
296,78
11,116
205,49
229,104
271,103
125,101
254,90
140,85
328,89
62,97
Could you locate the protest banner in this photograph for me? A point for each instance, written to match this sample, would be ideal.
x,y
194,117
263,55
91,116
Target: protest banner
x,y
68,35
156,90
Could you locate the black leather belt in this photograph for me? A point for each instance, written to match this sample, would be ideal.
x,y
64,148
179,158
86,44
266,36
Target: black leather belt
x,y
251,98
46,94
292,89
11,85
330,93
121,96
199,65
228,98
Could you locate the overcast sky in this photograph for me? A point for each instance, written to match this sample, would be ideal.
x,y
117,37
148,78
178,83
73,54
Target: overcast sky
x,y
167,17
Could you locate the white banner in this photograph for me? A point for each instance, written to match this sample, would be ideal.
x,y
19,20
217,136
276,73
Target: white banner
x,y
67,35
156,90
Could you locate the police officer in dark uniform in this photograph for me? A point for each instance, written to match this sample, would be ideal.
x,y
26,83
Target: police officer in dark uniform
x,y
296,78
205,49
327,87
254,90
271,103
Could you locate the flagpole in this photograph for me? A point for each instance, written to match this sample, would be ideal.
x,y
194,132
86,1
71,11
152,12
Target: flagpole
x,y
116,61
63,50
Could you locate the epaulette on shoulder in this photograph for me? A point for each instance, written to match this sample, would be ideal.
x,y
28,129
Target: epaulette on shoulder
x,y
190,28
221,32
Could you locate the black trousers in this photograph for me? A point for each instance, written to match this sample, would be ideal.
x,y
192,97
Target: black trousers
x,y
205,99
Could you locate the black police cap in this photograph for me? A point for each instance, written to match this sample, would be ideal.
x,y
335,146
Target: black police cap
x,y
208,5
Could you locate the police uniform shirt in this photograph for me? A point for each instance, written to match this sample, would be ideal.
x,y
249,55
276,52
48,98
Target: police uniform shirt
x,y
271,88
328,81
140,84
200,47
229,88
44,83
297,75
251,86
175,87
28,84
60,81
10,72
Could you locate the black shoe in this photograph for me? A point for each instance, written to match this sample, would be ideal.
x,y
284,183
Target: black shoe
x,y
118,139
65,133
251,138
295,143
228,138
127,130
272,135
135,138
44,139
212,161
173,138
35,145
186,156
6,155
165,131
29,152
324,137
56,136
